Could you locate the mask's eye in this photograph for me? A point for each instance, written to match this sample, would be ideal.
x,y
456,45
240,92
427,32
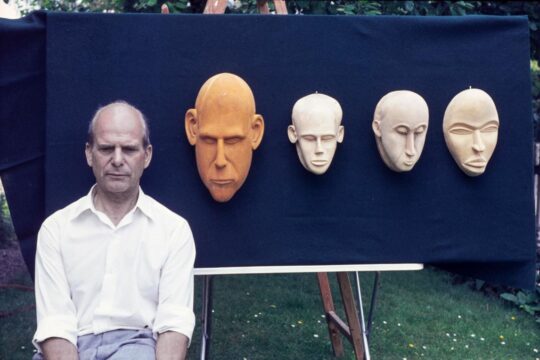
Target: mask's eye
x,y
403,130
490,128
309,137
458,130
208,140
233,140
328,137
420,129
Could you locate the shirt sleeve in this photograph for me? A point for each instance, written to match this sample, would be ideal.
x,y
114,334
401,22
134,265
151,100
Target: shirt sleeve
x,y
56,314
175,307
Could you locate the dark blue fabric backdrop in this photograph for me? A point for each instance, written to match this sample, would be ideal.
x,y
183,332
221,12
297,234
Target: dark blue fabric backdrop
x,y
360,211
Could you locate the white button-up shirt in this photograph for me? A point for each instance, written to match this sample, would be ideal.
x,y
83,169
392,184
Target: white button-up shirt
x,y
93,276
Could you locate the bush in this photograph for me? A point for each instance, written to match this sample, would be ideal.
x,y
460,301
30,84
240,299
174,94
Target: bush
x,y
7,233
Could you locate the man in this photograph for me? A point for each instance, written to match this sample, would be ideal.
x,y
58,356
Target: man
x,y
114,270
471,129
316,130
400,125
225,131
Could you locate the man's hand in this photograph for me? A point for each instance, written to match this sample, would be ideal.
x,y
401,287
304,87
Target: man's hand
x,y
59,349
171,346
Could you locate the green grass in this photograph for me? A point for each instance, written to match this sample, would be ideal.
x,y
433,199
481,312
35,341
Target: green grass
x,y
419,315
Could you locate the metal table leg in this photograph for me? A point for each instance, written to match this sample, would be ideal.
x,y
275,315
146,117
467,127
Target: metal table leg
x,y
206,316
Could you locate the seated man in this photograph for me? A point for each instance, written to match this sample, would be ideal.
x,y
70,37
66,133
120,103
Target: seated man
x,y
114,270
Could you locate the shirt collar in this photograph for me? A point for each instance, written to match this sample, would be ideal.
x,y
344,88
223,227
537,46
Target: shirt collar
x,y
87,204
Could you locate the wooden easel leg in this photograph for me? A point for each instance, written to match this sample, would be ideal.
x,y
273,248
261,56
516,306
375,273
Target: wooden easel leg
x,y
328,304
351,314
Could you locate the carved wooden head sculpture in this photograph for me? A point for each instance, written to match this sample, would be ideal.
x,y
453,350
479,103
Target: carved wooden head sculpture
x,y
471,128
225,131
400,126
316,131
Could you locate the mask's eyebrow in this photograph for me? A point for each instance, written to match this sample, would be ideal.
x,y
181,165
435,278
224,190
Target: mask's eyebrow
x,y
490,123
464,125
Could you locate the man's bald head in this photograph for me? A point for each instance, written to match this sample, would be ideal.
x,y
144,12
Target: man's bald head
x,y
118,107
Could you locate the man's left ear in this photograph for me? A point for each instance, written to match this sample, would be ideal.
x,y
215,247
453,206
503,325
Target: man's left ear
x,y
257,131
340,134
147,156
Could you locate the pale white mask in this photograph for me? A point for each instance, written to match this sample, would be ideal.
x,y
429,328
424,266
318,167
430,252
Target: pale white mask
x,y
400,125
471,128
316,131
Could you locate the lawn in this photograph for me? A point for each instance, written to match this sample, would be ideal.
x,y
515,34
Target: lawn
x,y
419,315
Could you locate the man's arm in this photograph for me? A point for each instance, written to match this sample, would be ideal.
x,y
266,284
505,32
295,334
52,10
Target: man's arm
x,y
56,333
171,346
175,319
59,349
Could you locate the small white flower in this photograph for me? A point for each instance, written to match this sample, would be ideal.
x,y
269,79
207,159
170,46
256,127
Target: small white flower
x,y
447,334
482,339
466,346
424,347
459,316
398,324
292,325
315,335
454,340
472,335
535,350
384,322
503,343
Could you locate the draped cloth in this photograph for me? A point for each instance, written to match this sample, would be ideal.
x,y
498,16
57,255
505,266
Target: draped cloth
x,y
56,69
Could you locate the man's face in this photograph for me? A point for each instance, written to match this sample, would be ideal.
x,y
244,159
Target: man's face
x,y
223,149
316,139
471,129
402,132
118,157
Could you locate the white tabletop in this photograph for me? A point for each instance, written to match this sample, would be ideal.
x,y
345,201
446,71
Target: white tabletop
x,y
306,269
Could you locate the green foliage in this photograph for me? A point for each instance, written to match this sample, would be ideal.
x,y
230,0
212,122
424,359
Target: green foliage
x,y
526,300
535,80
7,234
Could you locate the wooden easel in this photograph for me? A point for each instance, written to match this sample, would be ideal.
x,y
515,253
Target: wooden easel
x,y
355,329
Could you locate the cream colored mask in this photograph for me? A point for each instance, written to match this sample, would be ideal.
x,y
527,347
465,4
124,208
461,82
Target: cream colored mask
x,y
400,125
316,131
471,128
225,131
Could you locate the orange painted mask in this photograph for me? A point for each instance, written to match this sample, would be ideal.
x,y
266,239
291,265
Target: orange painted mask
x,y
225,131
